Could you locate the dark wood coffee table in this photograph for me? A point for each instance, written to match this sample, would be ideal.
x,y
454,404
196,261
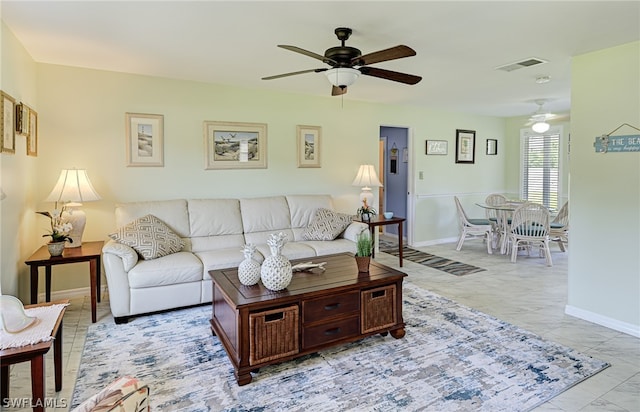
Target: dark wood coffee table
x,y
319,309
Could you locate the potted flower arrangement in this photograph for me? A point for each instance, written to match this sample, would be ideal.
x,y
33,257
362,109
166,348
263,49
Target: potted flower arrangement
x,y
364,247
365,211
59,232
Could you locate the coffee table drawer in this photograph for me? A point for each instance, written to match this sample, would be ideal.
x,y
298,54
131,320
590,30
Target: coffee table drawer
x,y
273,334
329,332
330,306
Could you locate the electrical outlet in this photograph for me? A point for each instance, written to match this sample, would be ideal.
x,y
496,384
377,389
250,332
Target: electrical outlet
x,y
421,175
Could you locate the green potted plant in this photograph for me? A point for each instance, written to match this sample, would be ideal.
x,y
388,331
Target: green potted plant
x,y
364,247
365,211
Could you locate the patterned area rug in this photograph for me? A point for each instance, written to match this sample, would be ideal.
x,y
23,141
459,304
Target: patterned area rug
x,y
446,265
452,358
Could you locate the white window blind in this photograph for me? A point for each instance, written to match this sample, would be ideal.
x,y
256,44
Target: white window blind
x,y
540,167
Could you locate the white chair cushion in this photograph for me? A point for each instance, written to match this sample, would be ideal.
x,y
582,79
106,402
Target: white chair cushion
x,y
150,237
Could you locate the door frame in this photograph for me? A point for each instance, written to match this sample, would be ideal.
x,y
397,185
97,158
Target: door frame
x,y
408,227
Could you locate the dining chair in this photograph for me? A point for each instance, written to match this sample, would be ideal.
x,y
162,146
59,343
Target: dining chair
x,y
496,216
473,228
529,228
559,227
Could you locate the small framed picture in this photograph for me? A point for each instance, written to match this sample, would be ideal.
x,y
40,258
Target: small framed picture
x,y
465,146
32,138
437,147
308,145
8,104
145,139
492,146
22,119
231,145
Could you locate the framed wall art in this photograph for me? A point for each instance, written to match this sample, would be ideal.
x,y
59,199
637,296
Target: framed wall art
x,y
8,127
492,146
308,145
437,147
22,119
465,146
145,139
32,138
231,145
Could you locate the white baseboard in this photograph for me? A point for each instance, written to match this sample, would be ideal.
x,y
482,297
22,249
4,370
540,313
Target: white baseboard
x,y
70,293
628,328
436,242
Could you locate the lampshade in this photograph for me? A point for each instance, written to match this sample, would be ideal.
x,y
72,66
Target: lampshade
x,y
366,178
540,127
342,76
72,189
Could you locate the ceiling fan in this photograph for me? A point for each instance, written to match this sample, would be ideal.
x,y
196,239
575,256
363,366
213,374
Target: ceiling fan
x,y
539,120
348,63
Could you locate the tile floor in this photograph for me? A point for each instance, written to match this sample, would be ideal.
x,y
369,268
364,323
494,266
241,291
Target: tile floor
x,y
527,294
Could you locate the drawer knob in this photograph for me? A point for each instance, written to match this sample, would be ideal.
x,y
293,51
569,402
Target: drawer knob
x,y
333,331
332,306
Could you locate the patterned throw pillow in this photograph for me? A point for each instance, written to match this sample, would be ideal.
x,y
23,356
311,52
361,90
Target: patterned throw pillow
x,y
327,225
150,237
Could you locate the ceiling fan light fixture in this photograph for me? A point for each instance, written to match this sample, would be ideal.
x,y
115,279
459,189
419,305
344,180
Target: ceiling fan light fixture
x,y
342,76
540,127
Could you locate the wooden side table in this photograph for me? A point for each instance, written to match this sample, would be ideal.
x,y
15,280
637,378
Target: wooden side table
x,y
381,221
88,252
35,354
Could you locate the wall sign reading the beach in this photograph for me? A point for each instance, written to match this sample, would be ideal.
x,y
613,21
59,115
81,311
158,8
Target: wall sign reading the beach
x,y
628,143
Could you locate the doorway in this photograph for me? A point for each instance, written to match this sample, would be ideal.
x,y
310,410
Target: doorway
x,y
394,171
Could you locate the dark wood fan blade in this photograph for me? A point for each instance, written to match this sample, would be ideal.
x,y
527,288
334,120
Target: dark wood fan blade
x,y
337,91
391,53
390,75
309,53
277,76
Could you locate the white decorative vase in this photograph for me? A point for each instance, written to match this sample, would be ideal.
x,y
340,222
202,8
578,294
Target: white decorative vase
x,y
249,269
276,270
56,248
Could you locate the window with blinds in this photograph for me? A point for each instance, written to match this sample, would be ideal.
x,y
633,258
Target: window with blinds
x,y
540,167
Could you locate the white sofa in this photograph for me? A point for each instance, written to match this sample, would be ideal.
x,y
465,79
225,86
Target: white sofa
x,y
214,232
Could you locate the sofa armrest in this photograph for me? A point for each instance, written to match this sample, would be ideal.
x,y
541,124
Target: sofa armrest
x,y
353,230
126,253
118,260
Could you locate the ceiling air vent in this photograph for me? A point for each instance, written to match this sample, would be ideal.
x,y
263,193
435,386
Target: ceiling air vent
x,y
532,61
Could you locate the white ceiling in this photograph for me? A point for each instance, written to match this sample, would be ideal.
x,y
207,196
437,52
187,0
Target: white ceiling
x,y
459,44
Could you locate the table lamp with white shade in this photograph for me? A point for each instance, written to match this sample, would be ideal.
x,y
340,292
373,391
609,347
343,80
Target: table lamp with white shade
x,y
72,189
366,178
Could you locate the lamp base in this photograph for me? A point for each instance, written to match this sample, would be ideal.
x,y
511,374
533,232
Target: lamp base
x,y
78,220
366,194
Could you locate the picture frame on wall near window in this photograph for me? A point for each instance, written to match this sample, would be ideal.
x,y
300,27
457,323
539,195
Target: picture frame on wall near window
x,y
145,139
465,146
492,146
8,103
308,145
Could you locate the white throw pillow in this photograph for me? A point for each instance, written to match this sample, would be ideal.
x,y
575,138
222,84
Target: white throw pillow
x,y
327,225
150,237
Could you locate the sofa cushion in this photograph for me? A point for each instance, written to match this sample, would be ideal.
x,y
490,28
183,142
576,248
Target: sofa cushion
x,y
214,217
265,214
149,236
327,225
221,259
173,213
295,250
329,248
181,267
303,207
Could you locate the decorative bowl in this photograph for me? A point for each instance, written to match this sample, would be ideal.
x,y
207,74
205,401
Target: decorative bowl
x,y
388,215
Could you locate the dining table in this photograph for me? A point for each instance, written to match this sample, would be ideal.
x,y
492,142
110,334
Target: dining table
x,y
504,211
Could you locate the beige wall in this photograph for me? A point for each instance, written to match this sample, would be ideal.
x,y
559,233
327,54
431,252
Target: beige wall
x,y
604,263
